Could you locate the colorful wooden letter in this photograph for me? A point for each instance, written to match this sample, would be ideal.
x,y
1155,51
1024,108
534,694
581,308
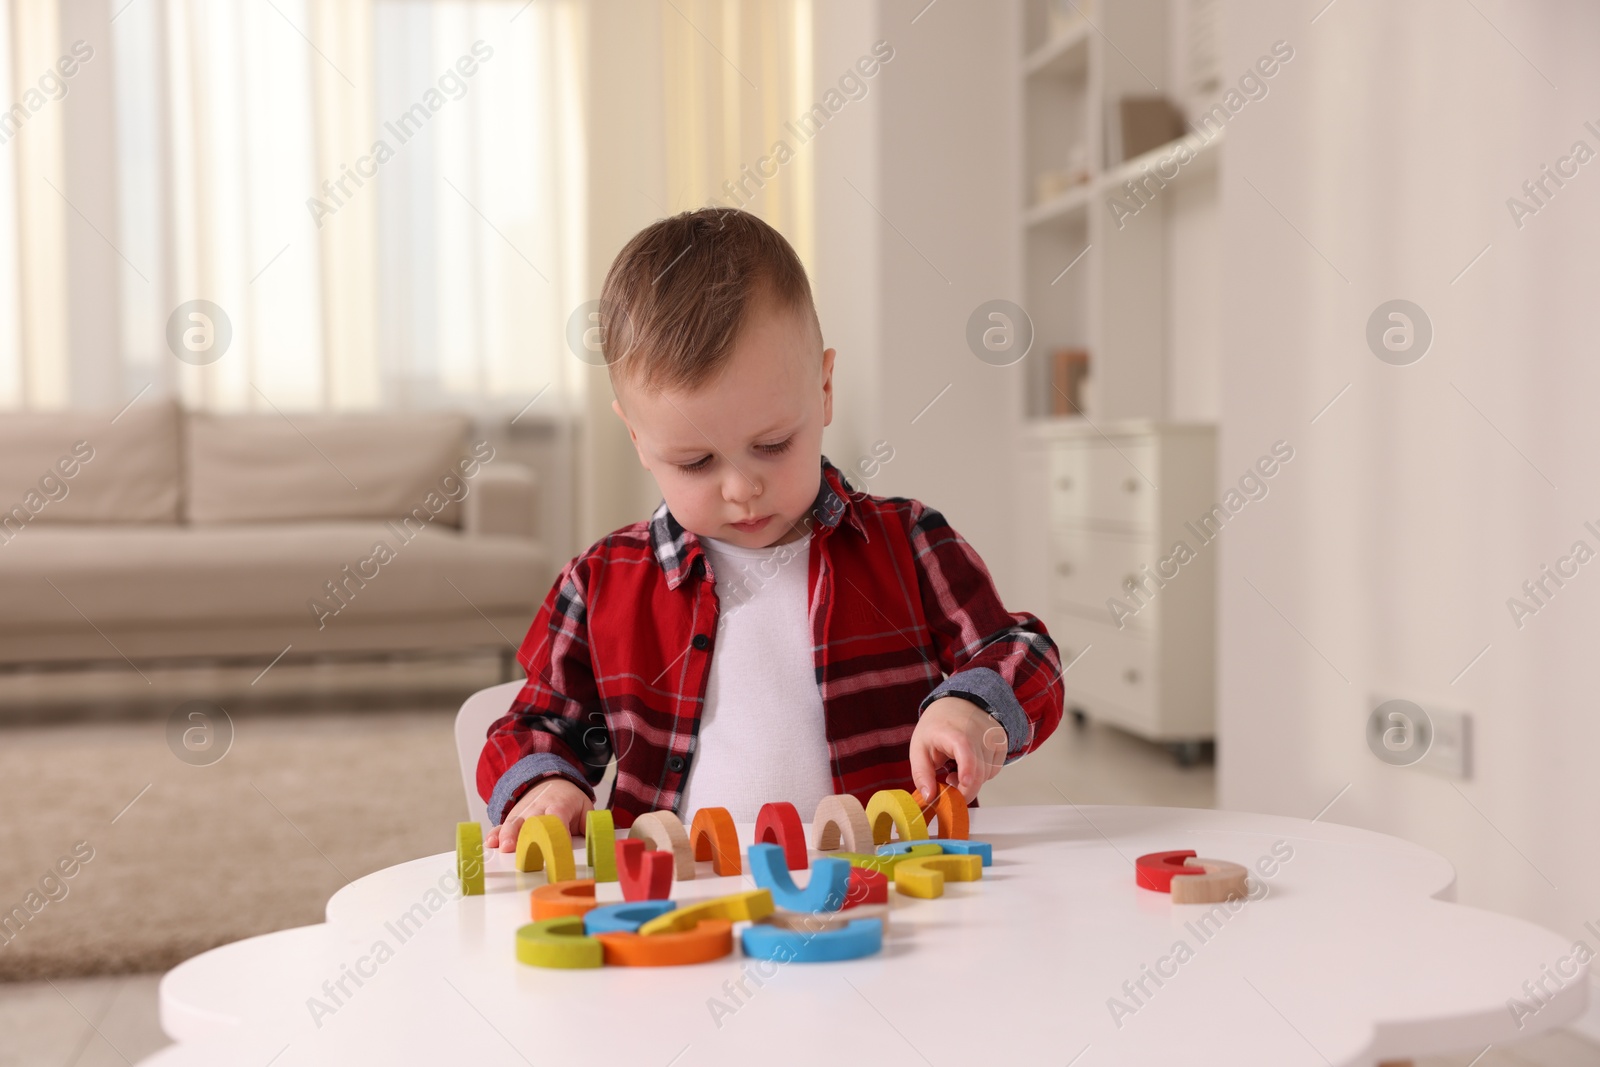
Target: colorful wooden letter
x,y
664,832
750,906
896,809
600,845
563,898
778,823
626,917
1154,870
924,876
644,875
544,845
469,858
980,849
830,880
711,940
1204,881
811,922
558,942
866,887
765,941
911,849
949,812
713,837
881,864
841,822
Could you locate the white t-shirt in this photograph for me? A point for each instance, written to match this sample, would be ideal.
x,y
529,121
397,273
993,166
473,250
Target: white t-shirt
x,y
762,735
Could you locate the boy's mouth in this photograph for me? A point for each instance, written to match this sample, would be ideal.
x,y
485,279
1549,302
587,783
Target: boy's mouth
x,y
751,525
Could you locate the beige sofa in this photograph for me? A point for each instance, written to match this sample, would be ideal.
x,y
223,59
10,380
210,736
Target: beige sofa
x,y
159,534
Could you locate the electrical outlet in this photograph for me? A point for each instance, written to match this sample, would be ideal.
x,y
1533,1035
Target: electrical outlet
x,y
1450,754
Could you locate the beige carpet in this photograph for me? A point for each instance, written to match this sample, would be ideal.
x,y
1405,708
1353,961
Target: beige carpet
x,y
301,803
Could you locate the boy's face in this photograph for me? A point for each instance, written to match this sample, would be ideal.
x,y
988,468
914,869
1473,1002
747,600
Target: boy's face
x,y
738,459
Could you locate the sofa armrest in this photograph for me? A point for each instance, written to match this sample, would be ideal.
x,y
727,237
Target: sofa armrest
x,y
500,503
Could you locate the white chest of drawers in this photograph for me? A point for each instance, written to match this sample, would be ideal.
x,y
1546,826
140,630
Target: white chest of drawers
x,y
1113,525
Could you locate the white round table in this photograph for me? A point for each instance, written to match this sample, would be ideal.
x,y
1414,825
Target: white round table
x,y
1349,952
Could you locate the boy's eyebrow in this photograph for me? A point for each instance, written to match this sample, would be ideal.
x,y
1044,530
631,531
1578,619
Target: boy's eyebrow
x,y
787,426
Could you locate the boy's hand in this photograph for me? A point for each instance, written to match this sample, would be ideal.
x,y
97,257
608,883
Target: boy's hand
x,y
955,729
553,796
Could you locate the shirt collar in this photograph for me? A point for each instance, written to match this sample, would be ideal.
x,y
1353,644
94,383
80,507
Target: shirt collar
x,y
677,549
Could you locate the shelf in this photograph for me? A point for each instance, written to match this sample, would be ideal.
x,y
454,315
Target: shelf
x,y
1058,207
1205,161
1065,57
1066,206
1136,298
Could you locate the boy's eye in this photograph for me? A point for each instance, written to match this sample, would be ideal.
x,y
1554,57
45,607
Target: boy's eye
x,y
704,461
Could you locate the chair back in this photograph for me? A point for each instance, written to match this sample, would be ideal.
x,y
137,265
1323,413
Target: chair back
x,y
472,727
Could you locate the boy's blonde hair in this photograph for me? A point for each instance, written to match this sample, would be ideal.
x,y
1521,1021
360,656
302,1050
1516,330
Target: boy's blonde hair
x,y
678,293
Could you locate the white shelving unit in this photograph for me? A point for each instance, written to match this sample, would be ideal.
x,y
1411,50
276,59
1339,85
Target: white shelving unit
x,y
1113,300
1109,265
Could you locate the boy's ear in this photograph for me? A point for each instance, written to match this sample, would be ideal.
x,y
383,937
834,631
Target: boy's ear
x,y
827,386
634,437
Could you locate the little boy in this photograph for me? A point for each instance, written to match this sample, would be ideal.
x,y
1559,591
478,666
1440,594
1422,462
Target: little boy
x,y
769,634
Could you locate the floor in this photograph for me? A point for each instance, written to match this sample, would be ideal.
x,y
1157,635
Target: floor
x,y
80,1022
89,1022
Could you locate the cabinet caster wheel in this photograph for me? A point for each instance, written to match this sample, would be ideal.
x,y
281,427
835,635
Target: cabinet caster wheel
x,y
1080,718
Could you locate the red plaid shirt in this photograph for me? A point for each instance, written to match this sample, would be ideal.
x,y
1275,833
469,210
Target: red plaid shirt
x,y
902,612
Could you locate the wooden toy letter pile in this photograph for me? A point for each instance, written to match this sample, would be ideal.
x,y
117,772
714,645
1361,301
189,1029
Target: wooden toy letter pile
x,y
840,913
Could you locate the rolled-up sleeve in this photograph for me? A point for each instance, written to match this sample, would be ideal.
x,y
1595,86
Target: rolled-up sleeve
x,y
1004,662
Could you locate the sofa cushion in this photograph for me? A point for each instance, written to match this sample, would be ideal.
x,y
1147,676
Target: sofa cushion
x,y
285,468
254,573
81,466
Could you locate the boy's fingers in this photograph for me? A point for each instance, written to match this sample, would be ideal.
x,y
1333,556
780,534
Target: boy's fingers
x,y
922,771
508,834
967,776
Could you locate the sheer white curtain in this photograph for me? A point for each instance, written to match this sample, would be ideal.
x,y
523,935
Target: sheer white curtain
x,y
11,371
481,210
33,348
242,150
258,167
737,75
388,199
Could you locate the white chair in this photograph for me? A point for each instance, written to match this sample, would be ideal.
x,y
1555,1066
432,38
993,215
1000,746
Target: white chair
x,y
472,726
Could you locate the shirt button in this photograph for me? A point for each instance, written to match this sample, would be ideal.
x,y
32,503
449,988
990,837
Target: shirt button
x,y
675,764
701,642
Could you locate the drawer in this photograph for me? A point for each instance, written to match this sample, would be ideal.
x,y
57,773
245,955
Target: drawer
x,y
1088,567
1101,483
1114,675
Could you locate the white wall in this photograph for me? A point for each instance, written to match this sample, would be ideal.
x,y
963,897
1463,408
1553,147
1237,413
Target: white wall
x,y
626,172
1419,502
925,236
845,278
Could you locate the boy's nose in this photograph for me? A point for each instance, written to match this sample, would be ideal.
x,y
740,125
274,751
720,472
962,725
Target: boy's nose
x,y
738,488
